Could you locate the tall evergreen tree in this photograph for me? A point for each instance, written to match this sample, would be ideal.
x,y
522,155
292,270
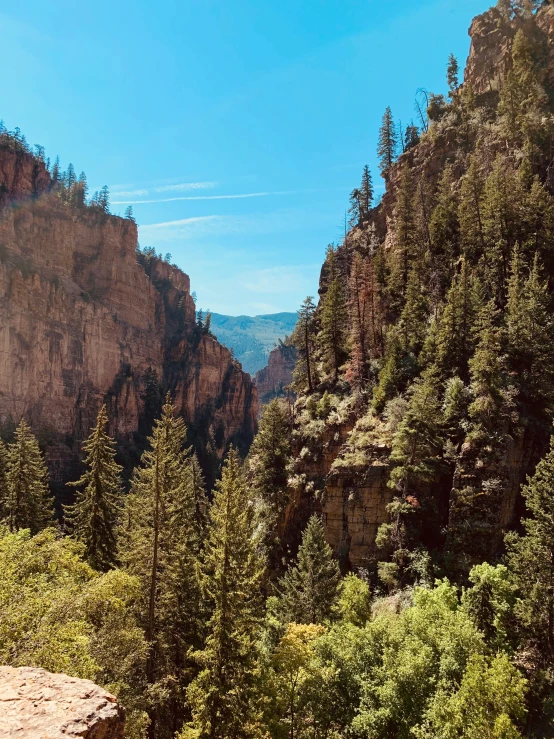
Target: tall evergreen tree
x,y
404,251
444,231
502,201
221,697
310,588
303,339
333,333
470,215
364,308
487,370
93,517
270,454
104,199
413,319
530,335
388,143
361,200
455,336
3,480
452,75
366,194
28,503
531,558
158,544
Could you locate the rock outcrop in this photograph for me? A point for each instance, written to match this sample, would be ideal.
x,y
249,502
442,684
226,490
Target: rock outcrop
x,y
83,320
272,379
35,704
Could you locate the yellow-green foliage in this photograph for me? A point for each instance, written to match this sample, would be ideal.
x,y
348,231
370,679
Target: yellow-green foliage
x,y
56,612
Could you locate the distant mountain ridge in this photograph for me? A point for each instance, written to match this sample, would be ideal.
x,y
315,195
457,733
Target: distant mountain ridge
x,y
252,337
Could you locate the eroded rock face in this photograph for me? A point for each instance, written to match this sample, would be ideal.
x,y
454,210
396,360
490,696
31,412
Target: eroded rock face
x,y
36,704
81,322
271,380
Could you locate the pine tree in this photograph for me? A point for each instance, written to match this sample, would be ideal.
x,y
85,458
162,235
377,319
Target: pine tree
x,y
70,178
158,544
3,480
404,250
28,502
398,368
361,199
56,171
129,213
388,143
455,337
366,194
364,308
303,339
333,333
221,697
472,236
354,209
530,335
531,559
310,588
444,231
104,199
487,371
93,517
411,136
502,223
452,76
270,454
413,319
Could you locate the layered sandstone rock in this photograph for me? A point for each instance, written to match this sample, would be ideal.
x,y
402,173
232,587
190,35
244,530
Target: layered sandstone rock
x,y
272,379
35,704
81,322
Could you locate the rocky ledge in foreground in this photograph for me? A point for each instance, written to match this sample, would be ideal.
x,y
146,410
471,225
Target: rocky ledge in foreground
x,y
36,704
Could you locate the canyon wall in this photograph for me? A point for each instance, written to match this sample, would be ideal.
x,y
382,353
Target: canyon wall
x,y
83,321
277,374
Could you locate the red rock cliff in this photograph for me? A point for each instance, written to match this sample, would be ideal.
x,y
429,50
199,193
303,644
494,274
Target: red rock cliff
x,y
271,380
81,320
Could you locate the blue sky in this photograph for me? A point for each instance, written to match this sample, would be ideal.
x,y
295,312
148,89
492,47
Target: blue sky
x,y
237,128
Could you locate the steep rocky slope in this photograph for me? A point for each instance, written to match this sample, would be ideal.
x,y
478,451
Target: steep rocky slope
x,y
83,322
277,374
343,443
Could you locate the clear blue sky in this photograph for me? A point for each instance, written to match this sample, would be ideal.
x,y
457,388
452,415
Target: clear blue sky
x,y
179,105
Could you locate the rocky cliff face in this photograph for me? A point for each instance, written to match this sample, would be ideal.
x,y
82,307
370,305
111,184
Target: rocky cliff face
x,y
272,379
35,704
81,322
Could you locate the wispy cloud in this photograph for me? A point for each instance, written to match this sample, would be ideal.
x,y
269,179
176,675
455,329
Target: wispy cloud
x,y
234,196
129,193
185,186
237,196
175,230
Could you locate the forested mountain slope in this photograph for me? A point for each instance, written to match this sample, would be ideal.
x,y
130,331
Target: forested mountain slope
x,y
251,338
426,370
